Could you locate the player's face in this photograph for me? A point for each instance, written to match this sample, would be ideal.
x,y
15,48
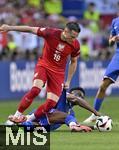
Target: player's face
x,y
78,93
70,34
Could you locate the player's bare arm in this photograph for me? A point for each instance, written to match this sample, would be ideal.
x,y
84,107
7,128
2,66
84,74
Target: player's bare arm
x,y
81,102
71,71
7,28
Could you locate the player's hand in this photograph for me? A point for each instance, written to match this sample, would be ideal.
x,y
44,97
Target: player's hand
x,y
115,38
4,28
85,128
66,85
80,128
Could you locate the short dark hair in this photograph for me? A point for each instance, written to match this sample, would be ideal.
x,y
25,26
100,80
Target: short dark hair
x,y
80,89
73,26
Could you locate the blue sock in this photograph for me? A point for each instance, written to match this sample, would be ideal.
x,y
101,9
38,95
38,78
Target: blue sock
x,y
69,119
98,103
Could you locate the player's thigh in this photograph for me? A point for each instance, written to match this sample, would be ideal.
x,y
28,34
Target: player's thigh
x,y
54,85
40,76
57,117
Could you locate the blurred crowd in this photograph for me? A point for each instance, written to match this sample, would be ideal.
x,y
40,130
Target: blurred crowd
x,y
95,27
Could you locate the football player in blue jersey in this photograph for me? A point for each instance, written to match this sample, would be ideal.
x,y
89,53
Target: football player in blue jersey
x,y
112,71
63,113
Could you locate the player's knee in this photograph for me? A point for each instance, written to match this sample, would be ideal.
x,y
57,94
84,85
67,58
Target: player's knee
x,y
38,83
52,96
65,116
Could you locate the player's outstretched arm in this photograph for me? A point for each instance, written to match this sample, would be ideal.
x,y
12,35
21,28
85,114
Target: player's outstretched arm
x,y
81,102
7,28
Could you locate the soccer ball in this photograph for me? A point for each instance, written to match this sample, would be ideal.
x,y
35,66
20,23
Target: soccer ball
x,y
104,123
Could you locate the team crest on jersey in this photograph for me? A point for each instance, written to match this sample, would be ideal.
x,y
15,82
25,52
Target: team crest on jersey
x,y
60,47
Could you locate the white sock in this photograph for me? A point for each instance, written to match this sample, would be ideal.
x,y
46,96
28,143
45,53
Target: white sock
x,y
31,117
72,124
17,114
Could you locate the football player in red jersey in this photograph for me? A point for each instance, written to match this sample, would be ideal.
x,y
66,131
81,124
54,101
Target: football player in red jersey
x,y
50,68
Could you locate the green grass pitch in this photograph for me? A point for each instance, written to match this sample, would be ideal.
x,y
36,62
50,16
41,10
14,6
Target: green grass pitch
x,y
65,140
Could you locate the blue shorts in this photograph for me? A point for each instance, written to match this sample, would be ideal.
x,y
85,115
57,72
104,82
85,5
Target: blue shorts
x,y
112,70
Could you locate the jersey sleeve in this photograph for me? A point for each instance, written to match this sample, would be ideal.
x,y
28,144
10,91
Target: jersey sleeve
x,y
43,32
112,32
76,51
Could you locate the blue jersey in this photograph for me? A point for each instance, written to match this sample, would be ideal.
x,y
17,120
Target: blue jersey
x,y
112,70
115,30
64,105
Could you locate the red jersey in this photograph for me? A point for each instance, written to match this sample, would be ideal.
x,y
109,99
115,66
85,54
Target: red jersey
x,y
55,50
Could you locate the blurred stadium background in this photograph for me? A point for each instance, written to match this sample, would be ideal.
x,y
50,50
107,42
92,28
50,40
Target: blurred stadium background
x,y
19,53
